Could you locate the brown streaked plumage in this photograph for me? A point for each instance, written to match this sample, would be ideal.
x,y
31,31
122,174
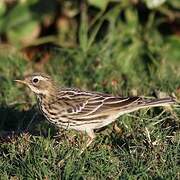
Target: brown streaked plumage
x,y
83,110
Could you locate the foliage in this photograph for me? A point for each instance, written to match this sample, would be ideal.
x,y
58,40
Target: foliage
x,y
34,22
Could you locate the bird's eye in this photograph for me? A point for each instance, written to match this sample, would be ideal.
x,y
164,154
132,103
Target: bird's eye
x,y
35,80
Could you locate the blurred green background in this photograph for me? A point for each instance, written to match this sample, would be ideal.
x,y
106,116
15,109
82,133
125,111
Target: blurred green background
x,y
124,47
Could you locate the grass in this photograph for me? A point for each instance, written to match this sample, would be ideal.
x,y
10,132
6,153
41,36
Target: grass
x,y
127,63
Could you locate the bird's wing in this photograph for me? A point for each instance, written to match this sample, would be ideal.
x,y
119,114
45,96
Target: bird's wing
x,y
106,105
82,104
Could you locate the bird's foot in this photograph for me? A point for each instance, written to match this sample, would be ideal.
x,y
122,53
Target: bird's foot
x,y
117,130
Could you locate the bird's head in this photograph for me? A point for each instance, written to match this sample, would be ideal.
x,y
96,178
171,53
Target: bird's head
x,y
39,83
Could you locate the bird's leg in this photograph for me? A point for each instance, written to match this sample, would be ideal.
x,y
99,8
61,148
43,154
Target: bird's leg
x,y
91,136
65,135
60,132
117,129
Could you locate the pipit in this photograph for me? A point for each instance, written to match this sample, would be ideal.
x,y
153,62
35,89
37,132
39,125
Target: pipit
x,y
81,110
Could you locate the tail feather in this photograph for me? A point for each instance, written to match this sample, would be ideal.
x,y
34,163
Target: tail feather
x,y
159,102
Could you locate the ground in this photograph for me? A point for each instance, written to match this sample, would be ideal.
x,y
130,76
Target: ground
x,y
148,146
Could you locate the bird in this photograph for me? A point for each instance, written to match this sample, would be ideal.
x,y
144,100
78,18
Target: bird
x,y
81,110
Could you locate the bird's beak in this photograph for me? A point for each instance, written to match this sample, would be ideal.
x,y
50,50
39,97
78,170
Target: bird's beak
x,y
21,81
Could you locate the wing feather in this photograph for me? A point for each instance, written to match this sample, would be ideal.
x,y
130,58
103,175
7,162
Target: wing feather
x,y
103,106
79,104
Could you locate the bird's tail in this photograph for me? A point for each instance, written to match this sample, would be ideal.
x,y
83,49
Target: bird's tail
x,y
159,102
